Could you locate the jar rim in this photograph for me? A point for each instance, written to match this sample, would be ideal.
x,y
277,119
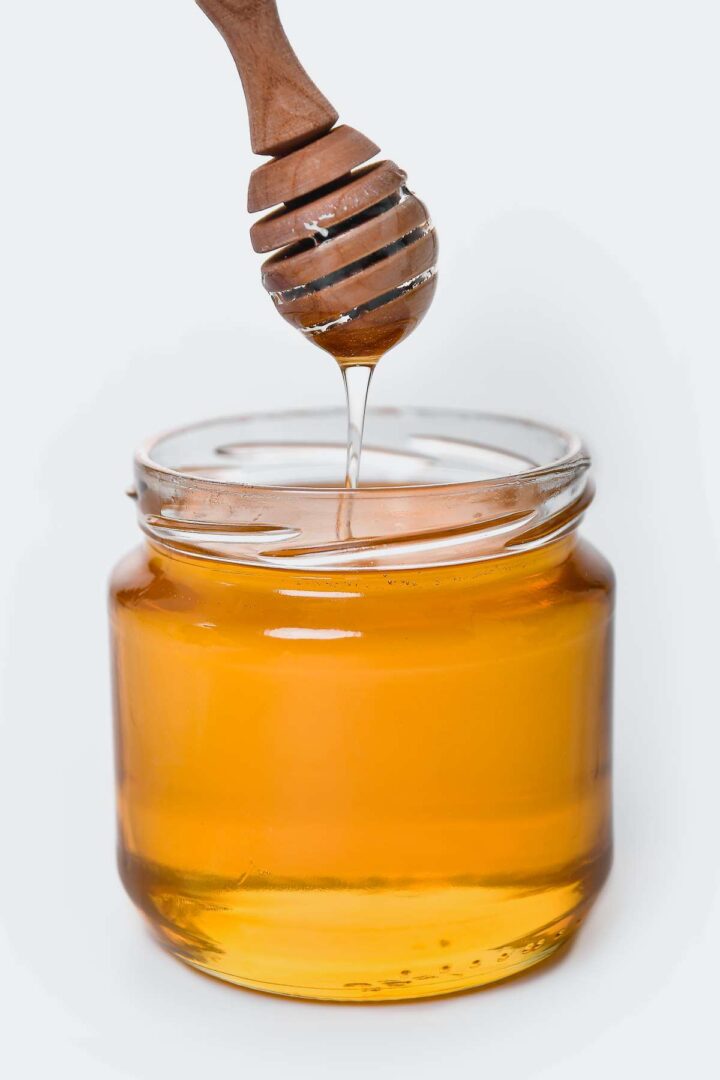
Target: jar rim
x,y
575,456
442,486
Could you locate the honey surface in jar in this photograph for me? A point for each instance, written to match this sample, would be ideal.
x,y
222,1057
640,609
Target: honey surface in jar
x,y
364,786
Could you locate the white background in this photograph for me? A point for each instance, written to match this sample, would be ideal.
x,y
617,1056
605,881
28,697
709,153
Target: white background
x,y
569,154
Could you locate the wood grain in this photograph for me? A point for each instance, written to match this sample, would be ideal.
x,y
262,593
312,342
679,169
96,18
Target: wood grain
x,y
368,283
369,186
327,159
285,107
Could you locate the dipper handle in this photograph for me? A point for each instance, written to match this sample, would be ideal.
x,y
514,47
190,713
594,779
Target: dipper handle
x,y
285,107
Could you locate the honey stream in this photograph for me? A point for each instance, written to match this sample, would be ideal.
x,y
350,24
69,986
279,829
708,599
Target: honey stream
x,y
357,353
357,379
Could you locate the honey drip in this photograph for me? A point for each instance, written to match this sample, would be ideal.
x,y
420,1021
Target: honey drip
x,y
357,355
357,379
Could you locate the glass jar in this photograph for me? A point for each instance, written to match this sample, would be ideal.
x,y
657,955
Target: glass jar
x,y
363,737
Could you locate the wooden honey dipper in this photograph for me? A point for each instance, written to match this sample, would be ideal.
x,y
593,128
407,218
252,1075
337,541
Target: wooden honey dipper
x,y
356,269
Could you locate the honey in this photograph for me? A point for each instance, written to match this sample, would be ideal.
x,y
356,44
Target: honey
x,y
364,768
365,336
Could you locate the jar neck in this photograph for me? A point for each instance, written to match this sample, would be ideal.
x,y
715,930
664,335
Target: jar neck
x,y
500,572
532,491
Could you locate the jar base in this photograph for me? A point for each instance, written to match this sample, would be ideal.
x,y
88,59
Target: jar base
x,y
389,940
387,990
367,994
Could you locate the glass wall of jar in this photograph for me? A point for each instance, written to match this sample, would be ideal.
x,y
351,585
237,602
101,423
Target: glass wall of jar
x,y
363,737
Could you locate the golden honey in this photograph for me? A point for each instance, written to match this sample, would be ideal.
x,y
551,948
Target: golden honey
x,y
364,783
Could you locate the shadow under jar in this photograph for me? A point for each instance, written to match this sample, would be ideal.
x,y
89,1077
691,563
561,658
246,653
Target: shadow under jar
x,y
363,737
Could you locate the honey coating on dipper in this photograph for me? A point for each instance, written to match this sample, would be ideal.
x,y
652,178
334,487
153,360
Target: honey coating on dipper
x,y
368,338
360,286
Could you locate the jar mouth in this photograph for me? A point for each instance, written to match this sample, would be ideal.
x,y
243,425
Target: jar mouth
x,y
437,486
285,459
